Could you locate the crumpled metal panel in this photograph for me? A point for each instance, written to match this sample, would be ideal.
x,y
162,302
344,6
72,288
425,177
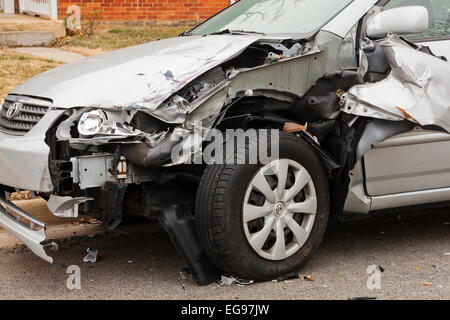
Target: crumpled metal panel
x,y
416,89
139,77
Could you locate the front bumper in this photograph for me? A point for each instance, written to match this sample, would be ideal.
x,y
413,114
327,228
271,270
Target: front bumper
x,y
24,159
24,164
24,227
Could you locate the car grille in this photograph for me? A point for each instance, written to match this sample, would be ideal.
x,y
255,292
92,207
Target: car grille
x,y
30,112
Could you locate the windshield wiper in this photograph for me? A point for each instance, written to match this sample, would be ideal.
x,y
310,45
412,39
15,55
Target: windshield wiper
x,y
185,34
228,31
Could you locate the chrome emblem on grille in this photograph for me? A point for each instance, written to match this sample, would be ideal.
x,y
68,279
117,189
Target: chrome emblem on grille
x,y
13,110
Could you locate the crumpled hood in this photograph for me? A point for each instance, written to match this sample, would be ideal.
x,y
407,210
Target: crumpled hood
x,y
143,75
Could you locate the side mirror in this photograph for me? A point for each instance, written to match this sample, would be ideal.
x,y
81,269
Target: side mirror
x,y
402,20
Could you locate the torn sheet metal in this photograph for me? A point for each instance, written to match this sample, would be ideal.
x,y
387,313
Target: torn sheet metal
x,y
139,77
416,89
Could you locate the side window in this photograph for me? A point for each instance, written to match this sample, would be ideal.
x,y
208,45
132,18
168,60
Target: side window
x,y
439,11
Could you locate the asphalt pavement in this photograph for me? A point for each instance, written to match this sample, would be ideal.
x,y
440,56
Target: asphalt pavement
x,y
411,253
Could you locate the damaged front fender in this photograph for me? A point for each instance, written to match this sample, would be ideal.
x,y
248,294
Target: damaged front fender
x,y
416,89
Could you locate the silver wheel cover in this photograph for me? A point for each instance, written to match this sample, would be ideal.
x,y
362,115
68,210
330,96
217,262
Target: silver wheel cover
x,y
284,220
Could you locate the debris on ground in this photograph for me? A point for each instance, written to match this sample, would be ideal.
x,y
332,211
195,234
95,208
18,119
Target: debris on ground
x,y
233,281
22,195
91,256
286,277
446,253
307,278
352,279
427,284
363,298
86,221
53,246
60,264
185,274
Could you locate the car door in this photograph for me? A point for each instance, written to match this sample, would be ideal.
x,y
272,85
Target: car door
x,y
412,165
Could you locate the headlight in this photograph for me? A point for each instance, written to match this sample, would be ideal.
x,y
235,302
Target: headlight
x,y
91,122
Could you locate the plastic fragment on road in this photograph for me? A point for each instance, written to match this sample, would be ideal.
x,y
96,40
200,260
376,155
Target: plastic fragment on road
x,y
288,276
228,281
53,246
185,274
91,256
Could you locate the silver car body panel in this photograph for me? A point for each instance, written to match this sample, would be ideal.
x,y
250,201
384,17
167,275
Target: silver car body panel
x,y
142,76
416,88
402,170
24,159
24,227
357,200
427,169
407,199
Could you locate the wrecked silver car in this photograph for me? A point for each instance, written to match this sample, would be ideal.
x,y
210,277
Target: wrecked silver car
x,y
362,113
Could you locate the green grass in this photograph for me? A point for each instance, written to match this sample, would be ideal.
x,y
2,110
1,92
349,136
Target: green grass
x,y
121,37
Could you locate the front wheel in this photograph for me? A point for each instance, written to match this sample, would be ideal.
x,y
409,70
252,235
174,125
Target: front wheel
x,y
262,221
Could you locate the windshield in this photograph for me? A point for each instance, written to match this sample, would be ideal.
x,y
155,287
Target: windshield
x,y
273,16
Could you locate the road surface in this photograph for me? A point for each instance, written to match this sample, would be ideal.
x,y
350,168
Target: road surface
x,y
139,262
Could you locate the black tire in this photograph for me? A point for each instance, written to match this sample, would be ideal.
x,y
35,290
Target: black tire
x,y
219,215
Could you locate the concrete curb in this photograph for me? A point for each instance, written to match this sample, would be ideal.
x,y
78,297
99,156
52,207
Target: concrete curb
x,y
26,38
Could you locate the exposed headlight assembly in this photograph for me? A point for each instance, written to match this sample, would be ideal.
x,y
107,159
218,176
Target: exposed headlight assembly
x,y
102,126
97,122
91,122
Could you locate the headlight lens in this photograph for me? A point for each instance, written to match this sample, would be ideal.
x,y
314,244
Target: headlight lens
x,y
91,122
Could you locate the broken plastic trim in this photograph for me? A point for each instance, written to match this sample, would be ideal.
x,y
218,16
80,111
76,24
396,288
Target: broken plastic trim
x,y
180,225
32,233
65,207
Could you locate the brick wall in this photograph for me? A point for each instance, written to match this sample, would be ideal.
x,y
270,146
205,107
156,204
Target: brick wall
x,y
155,10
